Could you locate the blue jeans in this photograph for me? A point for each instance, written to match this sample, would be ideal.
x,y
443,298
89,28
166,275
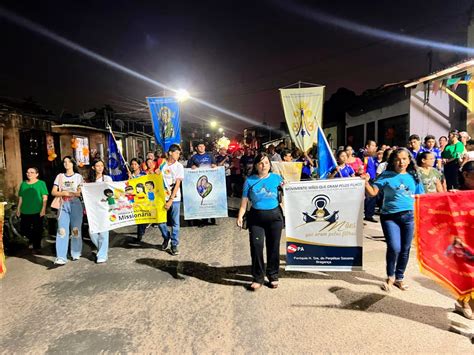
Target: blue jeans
x,y
398,231
173,217
101,241
69,225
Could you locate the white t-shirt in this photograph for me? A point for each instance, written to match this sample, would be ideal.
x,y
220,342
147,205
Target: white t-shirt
x,y
276,157
170,174
104,178
69,183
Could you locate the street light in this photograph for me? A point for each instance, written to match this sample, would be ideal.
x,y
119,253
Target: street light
x,y
182,95
213,124
221,129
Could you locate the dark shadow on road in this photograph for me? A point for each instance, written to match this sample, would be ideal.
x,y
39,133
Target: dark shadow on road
x,y
386,304
432,285
241,275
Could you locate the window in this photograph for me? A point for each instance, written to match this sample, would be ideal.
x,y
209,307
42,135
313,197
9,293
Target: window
x,y
393,131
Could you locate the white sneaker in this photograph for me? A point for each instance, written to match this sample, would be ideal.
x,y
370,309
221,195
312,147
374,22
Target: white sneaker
x,y
59,262
101,261
75,258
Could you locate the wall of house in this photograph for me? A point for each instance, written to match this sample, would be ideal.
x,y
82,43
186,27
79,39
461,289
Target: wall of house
x,y
11,174
370,122
433,117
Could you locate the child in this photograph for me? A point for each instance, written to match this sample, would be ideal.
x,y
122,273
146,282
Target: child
x,y
342,169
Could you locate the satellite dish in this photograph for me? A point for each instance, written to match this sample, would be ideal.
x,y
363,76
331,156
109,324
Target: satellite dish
x,y
87,115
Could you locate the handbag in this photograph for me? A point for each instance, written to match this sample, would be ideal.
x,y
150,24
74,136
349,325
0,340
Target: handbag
x,y
58,201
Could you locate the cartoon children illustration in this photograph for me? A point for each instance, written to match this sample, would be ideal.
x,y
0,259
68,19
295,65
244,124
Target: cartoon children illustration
x,y
150,188
130,195
141,196
110,199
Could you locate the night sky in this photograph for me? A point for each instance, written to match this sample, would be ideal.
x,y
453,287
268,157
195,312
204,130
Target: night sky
x,y
235,54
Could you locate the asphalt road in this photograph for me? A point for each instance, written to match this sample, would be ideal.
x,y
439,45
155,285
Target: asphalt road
x,y
144,300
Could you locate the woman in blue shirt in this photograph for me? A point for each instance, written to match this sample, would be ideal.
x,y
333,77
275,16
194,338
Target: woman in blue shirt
x,y
265,220
399,183
342,170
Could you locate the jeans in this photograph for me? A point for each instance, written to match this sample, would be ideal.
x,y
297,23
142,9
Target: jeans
x,y
141,228
173,217
265,226
32,228
69,225
101,241
398,231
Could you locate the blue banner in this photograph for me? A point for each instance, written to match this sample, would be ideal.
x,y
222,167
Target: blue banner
x,y
116,164
204,193
326,161
164,113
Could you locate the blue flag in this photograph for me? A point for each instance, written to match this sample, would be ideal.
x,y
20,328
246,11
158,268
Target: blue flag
x,y
326,161
166,121
116,165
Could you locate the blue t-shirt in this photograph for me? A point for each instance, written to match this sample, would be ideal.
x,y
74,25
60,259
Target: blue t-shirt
x,y
263,192
371,169
201,160
346,171
415,153
398,190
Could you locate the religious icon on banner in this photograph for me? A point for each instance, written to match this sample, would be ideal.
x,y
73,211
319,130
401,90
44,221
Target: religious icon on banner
x,y
81,150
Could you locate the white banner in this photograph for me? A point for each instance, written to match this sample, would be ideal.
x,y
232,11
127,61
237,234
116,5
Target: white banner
x,y
303,110
324,224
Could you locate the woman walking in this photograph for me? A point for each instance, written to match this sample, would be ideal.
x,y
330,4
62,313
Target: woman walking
x,y
101,239
67,186
429,176
399,183
135,173
265,220
32,200
451,158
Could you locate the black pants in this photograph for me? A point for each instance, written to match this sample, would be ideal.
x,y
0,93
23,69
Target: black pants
x,y
32,228
265,225
451,173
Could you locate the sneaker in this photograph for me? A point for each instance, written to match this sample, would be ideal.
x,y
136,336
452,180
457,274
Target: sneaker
x,y
75,258
166,245
174,250
101,261
59,262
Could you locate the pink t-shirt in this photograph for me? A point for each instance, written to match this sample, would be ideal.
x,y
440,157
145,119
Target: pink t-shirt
x,y
356,164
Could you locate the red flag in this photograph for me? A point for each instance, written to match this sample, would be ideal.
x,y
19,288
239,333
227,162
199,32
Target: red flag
x,y
444,231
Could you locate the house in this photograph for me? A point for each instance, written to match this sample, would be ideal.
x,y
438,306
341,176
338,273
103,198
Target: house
x,y
433,104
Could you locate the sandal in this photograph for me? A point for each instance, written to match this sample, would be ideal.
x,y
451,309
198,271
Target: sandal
x,y
255,286
387,286
401,285
464,309
273,284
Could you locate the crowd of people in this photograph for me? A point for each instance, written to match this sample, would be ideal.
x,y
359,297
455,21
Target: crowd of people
x,y
393,176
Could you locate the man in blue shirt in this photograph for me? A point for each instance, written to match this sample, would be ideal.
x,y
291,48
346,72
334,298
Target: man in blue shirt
x,y
201,159
415,145
430,146
371,169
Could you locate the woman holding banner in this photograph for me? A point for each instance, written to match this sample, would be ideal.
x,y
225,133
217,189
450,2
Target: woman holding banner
x,y
265,220
67,186
135,173
100,240
399,183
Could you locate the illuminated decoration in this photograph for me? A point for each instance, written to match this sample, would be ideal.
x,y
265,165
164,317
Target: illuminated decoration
x,y
223,142
50,147
81,150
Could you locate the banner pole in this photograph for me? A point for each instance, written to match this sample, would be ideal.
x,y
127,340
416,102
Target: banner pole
x,y
119,150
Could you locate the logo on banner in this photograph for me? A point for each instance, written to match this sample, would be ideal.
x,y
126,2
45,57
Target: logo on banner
x,y
292,248
304,121
321,213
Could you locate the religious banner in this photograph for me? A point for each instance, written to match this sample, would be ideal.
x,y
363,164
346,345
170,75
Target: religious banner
x,y
324,224
204,193
111,205
303,110
444,231
288,170
3,268
81,150
164,113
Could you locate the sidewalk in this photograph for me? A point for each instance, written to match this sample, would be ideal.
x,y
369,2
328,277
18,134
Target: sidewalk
x,y
145,300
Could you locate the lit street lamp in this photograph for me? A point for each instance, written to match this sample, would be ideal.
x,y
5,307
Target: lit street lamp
x,y
182,95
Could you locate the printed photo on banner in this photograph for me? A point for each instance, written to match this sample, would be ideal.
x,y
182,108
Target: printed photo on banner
x,y
324,224
289,171
112,205
165,117
204,193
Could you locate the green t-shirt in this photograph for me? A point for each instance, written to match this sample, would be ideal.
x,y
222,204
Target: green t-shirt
x,y
453,151
32,196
